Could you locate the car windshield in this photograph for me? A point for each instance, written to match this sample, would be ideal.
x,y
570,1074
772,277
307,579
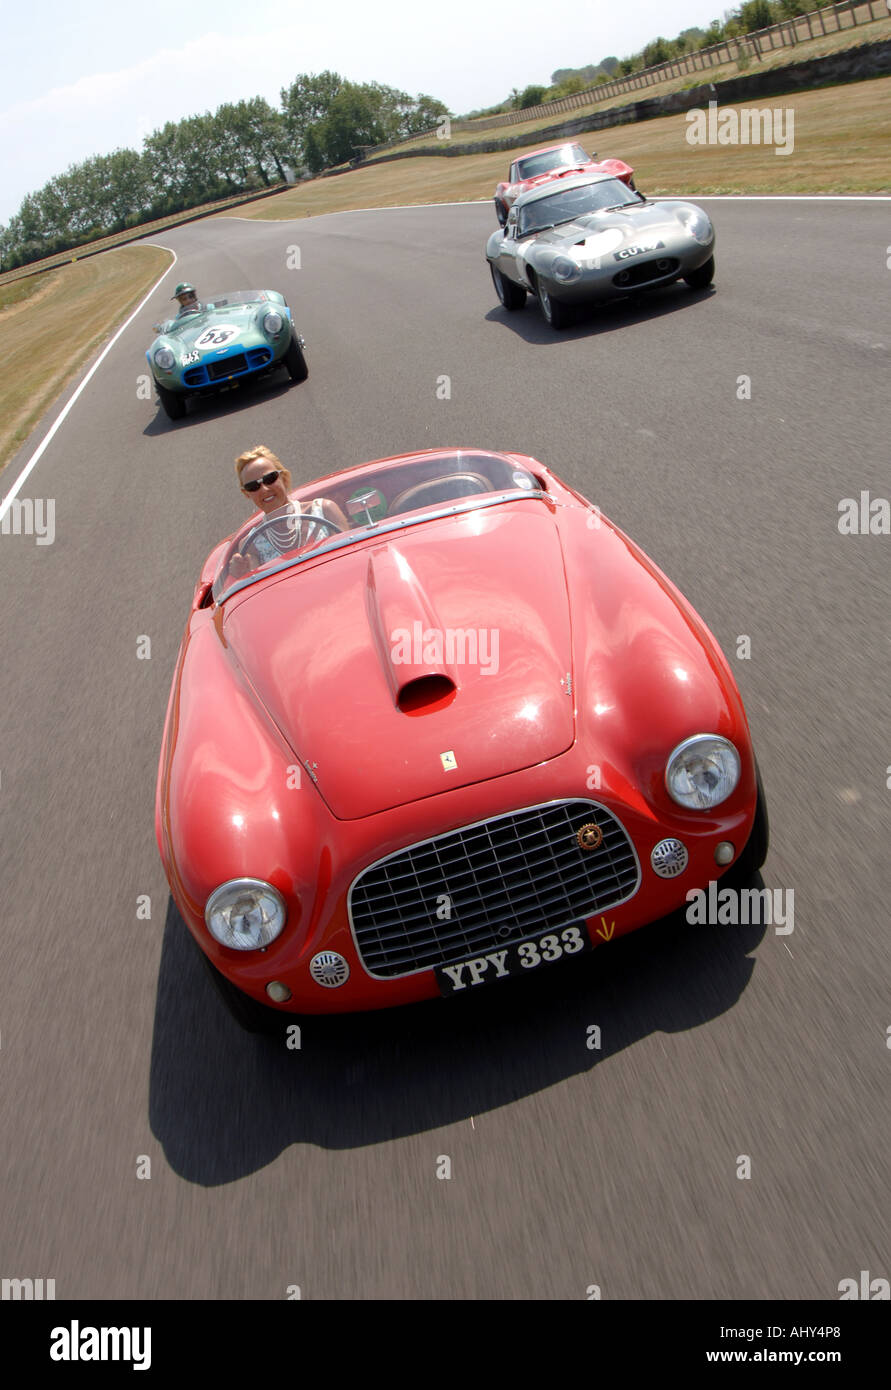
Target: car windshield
x,y
184,322
569,203
223,301
396,494
564,157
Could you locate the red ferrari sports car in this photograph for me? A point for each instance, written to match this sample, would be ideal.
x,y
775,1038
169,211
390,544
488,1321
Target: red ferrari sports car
x,y
553,162
472,734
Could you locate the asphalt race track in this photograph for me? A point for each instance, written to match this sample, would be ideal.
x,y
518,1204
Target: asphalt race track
x,y
570,1167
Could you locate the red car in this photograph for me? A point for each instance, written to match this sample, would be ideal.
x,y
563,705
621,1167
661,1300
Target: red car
x,y
474,733
553,162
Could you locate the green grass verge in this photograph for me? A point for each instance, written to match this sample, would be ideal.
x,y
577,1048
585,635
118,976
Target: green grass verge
x,y
51,323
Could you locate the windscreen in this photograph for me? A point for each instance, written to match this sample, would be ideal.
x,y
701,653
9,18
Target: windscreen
x,y
224,301
567,204
566,157
343,509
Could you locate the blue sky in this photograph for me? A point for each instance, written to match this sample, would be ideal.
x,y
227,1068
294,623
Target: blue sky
x,y
85,80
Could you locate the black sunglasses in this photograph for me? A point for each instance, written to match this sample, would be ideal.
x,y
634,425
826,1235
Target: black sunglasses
x,y
266,481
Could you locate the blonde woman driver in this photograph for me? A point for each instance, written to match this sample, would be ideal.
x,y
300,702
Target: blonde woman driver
x,y
265,481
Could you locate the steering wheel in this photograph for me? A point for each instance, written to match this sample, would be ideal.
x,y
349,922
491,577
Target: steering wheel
x,y
294,524
426,493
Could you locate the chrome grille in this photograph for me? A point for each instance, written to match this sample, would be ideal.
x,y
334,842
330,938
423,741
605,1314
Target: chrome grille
x,y
500,880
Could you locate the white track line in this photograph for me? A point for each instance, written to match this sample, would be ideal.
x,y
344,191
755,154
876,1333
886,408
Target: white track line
x,y
35,457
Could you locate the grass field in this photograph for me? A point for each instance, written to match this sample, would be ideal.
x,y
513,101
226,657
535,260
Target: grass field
x,y
780,57
840,146
51,323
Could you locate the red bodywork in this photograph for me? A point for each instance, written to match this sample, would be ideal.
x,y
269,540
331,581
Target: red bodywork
x,y
603,669
507,193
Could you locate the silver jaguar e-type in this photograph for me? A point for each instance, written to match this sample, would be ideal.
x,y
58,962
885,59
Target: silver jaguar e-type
x,y
592,239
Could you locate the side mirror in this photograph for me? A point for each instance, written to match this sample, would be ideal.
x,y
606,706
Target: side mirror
x,y
157,327
593,154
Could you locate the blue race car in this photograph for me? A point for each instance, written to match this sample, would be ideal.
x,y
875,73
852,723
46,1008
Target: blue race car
x,y
218,344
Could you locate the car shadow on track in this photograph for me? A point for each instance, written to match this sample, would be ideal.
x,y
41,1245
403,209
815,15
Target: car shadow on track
x,y
224,1103
529,324
222,403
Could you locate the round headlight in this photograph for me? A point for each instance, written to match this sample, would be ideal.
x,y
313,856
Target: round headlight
x,y
702,772
164,359
245,914
564,269
272,323
697,224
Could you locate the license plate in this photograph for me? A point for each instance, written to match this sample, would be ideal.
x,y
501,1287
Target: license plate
x,y
517,958
638,250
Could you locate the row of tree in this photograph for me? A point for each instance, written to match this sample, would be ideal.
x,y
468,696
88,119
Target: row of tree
x,y
331,120
323,121
751,16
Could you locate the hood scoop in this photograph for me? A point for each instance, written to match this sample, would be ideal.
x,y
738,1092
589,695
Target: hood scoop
x,y
408,634
426,694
